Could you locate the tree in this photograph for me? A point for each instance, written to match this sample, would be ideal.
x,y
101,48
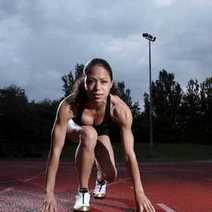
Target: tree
x,y
25,126
166,95
206,93
13,104
166,98
69,79
191,102
206,108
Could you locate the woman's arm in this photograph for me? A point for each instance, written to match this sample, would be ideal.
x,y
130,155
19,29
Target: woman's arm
x,y
130,157
57,142
58,137
124,118
128,143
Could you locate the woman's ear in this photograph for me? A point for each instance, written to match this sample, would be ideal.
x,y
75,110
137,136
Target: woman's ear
x,y
111,84
84,81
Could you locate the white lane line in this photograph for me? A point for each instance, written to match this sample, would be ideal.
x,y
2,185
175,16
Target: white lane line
x,y
6,190
165,207
41,195
32,178
24,181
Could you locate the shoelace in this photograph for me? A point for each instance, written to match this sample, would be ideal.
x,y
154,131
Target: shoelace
x,y
83,191
101,184
83,196
100,187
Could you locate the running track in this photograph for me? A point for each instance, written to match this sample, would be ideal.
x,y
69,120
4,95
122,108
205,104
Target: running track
x,y
172,187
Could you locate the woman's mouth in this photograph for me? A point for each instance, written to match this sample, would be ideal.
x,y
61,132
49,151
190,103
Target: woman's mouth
x,y
97,95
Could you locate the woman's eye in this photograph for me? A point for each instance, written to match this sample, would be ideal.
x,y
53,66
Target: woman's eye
x,y
89,81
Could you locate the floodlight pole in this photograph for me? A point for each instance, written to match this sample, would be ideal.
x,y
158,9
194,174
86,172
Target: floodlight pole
x,y
150,38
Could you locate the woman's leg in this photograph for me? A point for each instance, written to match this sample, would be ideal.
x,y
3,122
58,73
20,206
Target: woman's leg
x,y
84,156
105,160
84,159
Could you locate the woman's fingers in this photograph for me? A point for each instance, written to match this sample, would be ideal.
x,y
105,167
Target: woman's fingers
x,y
51,208
145,206
46,206
149,207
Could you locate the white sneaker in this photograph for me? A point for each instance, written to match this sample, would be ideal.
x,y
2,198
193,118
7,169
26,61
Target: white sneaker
x,y
82,202
100,190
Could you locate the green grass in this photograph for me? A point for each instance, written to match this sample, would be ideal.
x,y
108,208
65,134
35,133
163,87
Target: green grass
x,y
160,152
174,152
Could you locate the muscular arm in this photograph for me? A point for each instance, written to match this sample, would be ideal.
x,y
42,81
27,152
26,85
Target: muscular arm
x,y
125,118
57,142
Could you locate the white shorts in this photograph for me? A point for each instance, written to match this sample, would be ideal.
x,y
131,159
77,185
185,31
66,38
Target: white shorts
x,y
73,126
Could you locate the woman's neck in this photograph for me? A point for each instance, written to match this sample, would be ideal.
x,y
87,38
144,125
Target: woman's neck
x,y
96,106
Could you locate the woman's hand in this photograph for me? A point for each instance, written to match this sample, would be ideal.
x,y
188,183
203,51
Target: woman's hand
x,y
50,203
143,203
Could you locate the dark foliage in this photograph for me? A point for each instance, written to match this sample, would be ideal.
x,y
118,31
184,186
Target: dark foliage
x,y
180,116
25,127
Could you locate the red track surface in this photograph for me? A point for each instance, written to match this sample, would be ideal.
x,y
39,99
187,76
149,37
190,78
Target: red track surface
x,y
183,187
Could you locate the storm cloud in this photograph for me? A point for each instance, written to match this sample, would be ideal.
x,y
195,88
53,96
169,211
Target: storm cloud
x,y
42,40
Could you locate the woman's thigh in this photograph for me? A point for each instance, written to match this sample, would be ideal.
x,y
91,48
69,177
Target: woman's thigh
x,y
85,133
73,136
105,155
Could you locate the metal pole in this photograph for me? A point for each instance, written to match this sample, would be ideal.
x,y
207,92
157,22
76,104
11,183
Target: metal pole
x,y
150,38
150,99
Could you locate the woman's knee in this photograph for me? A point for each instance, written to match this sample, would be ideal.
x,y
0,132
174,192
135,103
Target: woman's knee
x,y
88,137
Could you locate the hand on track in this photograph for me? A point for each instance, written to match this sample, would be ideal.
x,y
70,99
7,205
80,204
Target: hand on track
x,y
49,203
144,204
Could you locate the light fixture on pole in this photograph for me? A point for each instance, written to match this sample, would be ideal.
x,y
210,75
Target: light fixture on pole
x,y
150,38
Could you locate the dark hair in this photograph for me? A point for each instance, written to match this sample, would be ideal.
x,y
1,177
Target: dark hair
x,y
100,62
79,94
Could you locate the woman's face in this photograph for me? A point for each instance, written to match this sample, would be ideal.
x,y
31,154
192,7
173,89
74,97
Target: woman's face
x,y
98,84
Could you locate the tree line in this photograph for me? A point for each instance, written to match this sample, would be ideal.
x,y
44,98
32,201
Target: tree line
x,y
178,116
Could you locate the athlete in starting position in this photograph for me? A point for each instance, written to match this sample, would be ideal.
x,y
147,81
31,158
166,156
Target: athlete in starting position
x,y
85,117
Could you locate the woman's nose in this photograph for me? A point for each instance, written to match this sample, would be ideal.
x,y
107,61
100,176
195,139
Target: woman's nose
x,y
97,85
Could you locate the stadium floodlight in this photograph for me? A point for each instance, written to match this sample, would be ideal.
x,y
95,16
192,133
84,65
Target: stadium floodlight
x,y
150,38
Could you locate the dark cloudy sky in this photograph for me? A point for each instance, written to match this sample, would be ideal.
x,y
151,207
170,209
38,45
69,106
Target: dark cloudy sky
x,y
41,40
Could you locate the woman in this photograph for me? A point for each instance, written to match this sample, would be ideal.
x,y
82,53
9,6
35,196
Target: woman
x,y
85,117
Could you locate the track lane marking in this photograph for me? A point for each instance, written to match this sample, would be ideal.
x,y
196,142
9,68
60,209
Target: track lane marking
x,y
6,190
24,181
33,177
165,207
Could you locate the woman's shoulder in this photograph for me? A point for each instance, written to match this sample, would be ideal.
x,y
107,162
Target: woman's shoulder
x,y
68,100
120,110
117,102
67,105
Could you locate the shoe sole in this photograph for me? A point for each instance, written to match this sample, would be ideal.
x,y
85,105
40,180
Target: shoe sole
x,y
84,208
99,196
